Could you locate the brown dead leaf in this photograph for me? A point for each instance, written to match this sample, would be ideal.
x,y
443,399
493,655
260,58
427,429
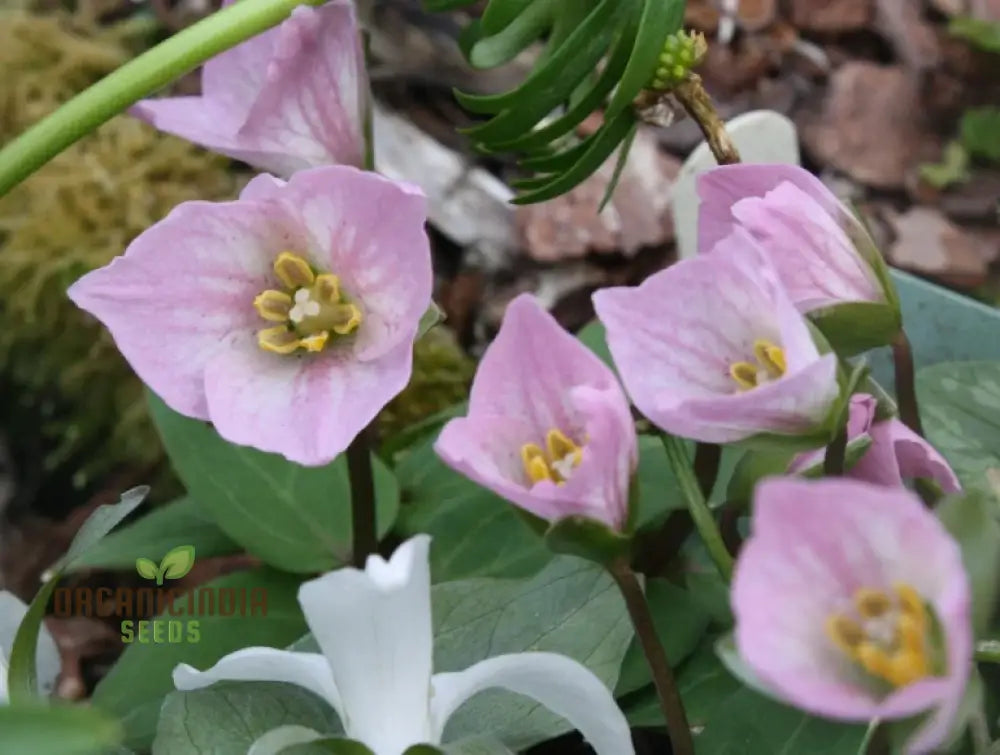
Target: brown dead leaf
x,y
914,40
832,16
927,242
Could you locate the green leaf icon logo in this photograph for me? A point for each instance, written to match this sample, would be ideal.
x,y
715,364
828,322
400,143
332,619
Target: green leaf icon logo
x,y
174,565
147,569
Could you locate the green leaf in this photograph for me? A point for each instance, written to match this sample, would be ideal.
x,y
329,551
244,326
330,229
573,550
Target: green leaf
x,y
953,168
984,34
34,729
616,175
22,674
476,533
858,326
147,569
593,336
181,521
135,687
500,13
293,517
680,622
981,133
587,538
227,718
177,562
572,608
960,408
973,519
503,46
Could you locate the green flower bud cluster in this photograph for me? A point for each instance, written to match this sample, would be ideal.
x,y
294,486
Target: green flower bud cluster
x,y
681,53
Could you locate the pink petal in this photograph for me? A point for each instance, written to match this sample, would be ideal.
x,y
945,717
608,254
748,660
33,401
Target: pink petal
x,y
291,98
675,337
368,230
306,407
914,456
814,544
182,289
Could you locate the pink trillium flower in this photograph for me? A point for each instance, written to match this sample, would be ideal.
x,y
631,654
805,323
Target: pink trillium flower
x,y
293,97
286,318
713,349
896,452
821,251
375,666
851,602
548,426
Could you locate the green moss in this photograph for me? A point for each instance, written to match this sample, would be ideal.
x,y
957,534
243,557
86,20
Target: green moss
x,y
74,215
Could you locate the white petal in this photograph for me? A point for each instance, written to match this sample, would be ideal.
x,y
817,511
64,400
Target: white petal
x,y
561,684
277,740
374,627
258,664
47,660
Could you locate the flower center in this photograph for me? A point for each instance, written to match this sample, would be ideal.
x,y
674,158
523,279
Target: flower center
x,y
888,636
769,364
556,463
311,308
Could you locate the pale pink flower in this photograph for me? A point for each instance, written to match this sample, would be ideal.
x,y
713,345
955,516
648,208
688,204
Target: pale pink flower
x,y
286,318
896,452
548,426
851,602
293,97
713,349
821,251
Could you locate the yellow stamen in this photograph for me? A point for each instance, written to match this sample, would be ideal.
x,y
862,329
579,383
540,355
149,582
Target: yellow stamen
x,y
771,357
346,318
889,640
279,340
315,342
327,288
556,462
273,305
745,375
293,270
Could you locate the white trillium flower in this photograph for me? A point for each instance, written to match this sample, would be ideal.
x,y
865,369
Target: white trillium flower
x,y
374,630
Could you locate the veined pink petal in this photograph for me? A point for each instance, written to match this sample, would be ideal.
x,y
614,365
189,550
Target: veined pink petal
x,y
813,545
181,288
291,98
810,237
534,378
675,337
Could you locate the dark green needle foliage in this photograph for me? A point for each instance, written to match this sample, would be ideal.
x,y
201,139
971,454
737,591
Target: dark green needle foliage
x,y
597,55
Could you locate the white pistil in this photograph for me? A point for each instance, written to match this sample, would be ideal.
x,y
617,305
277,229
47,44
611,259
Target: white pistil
x,y
304,307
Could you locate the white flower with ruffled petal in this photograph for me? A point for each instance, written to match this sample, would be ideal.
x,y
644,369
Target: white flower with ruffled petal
x,y
374,630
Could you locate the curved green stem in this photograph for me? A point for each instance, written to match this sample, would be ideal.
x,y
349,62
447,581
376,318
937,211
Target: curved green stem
x,y
988,651
704,521
136,79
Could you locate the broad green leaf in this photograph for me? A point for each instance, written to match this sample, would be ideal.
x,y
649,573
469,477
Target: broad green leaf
x,y
857,326
960,407
340,746
592,335
178,562
135,687
680,624
147,569
34,729
293,517
572,608
981,133
152,536
984,34
476,533
22,674
227,718
973,519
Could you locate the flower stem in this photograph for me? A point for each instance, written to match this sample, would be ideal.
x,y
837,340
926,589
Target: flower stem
x,y
704,521
692,95
656,657
906,387
364,539
988,651
136,79
836,453
706,466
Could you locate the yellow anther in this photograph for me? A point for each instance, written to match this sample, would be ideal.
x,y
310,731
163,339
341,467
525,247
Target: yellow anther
x,y
273,305
874,660
327,288
560,447
293,270
535,465
871,603
279,340
345,319
315,342
845,633
906,667
909,600
771,357
745,375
